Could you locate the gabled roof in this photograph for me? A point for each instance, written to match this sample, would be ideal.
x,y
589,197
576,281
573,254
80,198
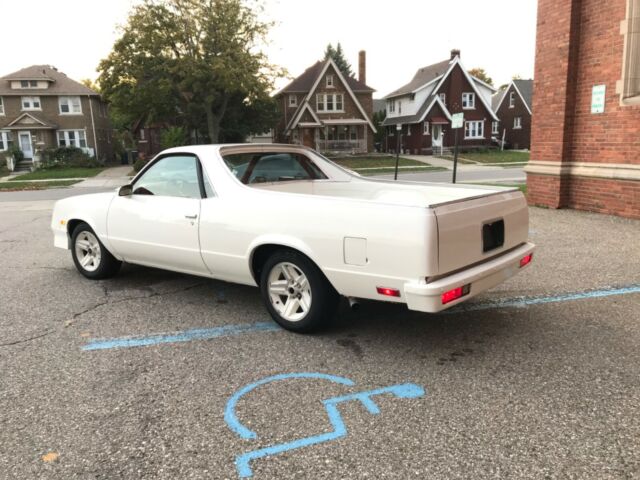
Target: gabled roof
x,y
418,117
422,77
28,120
316,81
304,82
524,88
421,114
59,83
304,106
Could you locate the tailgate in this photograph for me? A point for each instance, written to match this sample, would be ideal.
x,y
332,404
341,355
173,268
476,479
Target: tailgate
x,y
470,231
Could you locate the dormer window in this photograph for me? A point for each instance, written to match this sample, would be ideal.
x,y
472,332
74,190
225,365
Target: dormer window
x,y
31,103
70,105
293,100
512,99
28,84
329,81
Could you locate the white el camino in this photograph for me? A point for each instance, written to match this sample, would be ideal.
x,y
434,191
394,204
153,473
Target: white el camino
x,y
303,229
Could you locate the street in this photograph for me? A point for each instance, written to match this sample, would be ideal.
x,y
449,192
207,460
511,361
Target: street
x,y
159,375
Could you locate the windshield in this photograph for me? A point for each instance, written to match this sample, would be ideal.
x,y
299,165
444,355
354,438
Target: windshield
x,y
262,167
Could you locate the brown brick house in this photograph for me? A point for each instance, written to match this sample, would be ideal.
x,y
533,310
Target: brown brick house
x,y
585,149
423,108
326,110
512,105
42,108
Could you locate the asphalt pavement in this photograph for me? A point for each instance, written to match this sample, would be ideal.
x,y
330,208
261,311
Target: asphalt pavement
x,y
157,375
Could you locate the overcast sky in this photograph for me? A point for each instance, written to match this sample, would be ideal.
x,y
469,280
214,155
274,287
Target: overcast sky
x,y
399,36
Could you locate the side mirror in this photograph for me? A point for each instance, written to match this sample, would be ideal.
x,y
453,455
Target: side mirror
x,y
125,191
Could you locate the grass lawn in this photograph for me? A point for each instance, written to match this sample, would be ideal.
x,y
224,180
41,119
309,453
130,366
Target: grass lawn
x,y
493,156
382,164
15,186
4,171
64,172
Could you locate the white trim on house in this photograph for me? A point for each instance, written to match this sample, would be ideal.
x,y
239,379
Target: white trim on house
x,y
425,128
294,97
26,114
32,102
479,125
470,101
298,115
1,107
485,84
616,171
517,123
495,130
70,104
346,85
76,137
4,140
442,105
519,94
334,102
329,81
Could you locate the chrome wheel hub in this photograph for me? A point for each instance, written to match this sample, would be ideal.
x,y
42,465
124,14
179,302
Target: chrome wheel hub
x,y
289,291
88,251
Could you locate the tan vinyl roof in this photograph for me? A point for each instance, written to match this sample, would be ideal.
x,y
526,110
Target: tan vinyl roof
x,y
59,83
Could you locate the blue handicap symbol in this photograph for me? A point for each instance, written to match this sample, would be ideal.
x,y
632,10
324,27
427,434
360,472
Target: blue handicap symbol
x,y
404,390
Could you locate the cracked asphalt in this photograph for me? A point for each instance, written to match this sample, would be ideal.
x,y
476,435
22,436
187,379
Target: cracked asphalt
x,y
544,391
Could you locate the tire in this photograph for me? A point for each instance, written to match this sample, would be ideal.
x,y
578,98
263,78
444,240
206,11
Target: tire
x,y
90,256
282,280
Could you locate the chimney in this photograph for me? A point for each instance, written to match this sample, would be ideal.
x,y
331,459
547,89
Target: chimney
x,y
362,66
455,53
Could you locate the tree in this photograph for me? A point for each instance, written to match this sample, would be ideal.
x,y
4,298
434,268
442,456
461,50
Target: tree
x,y
338,57
87,82
184,62
480,74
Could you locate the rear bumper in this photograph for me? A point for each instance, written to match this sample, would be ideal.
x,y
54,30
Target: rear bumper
x,y
426,297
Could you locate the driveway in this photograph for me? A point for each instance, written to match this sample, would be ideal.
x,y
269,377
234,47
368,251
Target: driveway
x,y
160,375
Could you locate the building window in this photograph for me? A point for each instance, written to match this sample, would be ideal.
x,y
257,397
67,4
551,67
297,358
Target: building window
x,y
399,107
474,129
70,105
72,138
443,98
392,106
353,132
425,128
392,130
512,99
329,81
28,84
494,128
517,122
329,102
408,130
31,103
631,61
293,100
5,141
412,97
142,134
468,100
1,106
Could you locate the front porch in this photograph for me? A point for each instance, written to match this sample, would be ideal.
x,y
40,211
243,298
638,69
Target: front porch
x,y
333,138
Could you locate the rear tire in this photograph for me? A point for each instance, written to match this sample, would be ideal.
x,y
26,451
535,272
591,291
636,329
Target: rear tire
x,y
296,293
90,256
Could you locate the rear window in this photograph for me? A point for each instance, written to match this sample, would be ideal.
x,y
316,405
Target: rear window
x,y
272,167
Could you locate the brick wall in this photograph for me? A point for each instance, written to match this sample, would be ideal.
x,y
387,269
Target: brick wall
x,y
579,45
515,137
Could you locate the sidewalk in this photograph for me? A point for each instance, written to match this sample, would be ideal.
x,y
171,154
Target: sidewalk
x,y
111,177
448,164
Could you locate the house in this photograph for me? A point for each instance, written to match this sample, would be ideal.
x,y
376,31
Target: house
x,y
585,152
326,110
421,110
42,108
512,105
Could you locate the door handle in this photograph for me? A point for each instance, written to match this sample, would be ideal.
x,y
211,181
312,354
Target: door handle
x,y
191,217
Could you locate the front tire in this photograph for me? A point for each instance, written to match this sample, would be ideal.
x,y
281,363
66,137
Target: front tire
x,y
90,256
296,293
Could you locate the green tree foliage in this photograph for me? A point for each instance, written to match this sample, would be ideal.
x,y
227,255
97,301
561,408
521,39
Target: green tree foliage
x,y
188,63
338,57
480,74
87,82
378,118
173,137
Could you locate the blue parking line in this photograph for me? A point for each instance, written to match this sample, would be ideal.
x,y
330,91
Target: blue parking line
x,y
186,336
238,329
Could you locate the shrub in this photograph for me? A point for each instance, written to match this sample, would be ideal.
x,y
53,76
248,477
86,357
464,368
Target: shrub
x,y
172,137
17,154
67,157
140,163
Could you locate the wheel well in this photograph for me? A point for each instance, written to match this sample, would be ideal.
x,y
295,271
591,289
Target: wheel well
x,y
72,224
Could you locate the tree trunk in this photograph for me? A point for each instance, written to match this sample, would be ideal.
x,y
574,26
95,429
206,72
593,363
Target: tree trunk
x,y
214,118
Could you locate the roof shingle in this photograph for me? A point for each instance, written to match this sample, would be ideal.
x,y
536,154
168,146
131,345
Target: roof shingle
x,y
59,84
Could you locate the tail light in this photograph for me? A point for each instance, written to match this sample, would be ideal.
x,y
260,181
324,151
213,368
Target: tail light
x,y
455,294
526,260
389,292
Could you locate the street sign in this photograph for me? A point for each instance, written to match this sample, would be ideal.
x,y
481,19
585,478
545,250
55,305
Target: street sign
x,y
597,98
457,119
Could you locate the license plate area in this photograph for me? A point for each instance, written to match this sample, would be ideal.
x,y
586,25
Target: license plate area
x,y
492,235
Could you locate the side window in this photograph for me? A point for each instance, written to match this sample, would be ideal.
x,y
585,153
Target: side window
x,y
272,167
174,176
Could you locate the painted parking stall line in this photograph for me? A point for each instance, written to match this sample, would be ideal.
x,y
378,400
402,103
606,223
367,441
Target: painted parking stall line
x,y
260,327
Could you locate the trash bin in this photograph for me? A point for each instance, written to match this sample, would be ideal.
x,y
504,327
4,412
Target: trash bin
x,y
124,158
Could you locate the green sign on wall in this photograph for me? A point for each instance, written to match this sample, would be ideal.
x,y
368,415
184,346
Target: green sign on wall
x,y
598,98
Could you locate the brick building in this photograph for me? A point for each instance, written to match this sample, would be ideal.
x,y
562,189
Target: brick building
x,y
512,105
423,107
326,110
586,151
